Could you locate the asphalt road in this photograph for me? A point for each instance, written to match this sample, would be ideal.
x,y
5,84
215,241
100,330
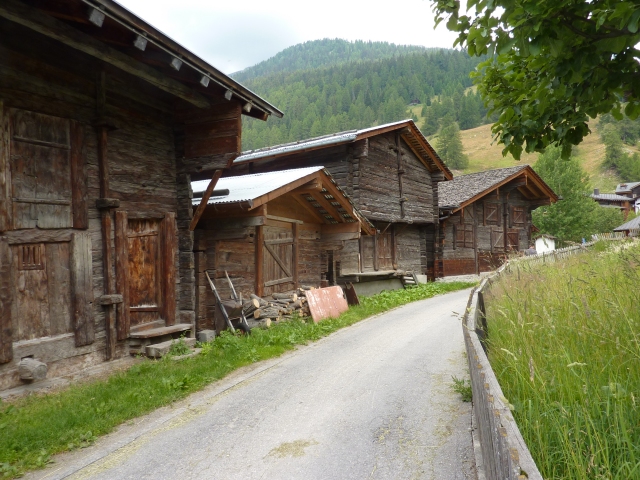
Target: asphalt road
x,y
372,401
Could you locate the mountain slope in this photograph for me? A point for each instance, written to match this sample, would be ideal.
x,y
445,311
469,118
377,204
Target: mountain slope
x,y
323,53
361,94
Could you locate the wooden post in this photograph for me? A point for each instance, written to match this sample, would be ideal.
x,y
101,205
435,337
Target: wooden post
x,y
259,239
122,273
5,171
294,254
375,251
170,244
6,298
505,218
79,207
107,260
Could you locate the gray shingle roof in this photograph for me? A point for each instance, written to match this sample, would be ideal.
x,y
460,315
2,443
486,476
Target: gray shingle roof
x,y
630,225
612,197
626,187
454,192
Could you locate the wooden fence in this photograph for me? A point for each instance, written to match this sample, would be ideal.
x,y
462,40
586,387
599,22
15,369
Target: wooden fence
x,y
505,454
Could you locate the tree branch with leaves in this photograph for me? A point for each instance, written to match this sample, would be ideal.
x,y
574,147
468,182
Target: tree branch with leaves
x,y
552,65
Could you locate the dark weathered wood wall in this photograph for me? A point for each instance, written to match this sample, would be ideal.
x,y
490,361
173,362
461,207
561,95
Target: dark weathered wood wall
x,y
50,114
474,236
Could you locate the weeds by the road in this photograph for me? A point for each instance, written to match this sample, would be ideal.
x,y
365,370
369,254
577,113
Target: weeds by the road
x,y
564,341
34,428
463,387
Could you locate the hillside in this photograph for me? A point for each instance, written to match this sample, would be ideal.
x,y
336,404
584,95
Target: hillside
x,y
484,156
364,93
323,53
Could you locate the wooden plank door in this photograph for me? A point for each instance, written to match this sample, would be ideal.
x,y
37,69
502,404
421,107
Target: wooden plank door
x,y
145,267
279,266
384,249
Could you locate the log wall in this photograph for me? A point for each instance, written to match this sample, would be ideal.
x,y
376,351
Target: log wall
x,y
55,253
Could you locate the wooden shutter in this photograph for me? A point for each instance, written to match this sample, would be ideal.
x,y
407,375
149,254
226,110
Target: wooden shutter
x,y
491,216
468,236
513,239
79,206
459,235
517,215
170,248
468,214
82,288
122,274
6,297
497,240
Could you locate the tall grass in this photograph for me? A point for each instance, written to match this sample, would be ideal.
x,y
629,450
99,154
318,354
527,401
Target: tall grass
x,y
34,428
564,341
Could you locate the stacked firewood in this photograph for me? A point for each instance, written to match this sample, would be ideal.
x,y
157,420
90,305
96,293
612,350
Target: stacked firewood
x,y
277,307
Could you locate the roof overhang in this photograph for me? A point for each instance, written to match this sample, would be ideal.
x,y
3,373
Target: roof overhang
x,y
526,181
112,41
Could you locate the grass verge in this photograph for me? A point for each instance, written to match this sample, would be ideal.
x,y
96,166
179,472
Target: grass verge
x,y
36,427
564,341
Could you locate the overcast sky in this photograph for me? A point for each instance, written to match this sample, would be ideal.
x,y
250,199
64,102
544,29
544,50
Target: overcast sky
x,y
235,34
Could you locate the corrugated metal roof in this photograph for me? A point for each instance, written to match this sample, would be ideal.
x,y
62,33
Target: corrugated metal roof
x,y
249,187
611,197
323,141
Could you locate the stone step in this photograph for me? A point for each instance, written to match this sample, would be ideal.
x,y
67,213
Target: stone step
x,y
158,350
160,331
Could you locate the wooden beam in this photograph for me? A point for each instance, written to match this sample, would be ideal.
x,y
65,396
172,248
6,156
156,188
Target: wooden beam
x,y
333,211
6,298
122,273
309,208
29,17
259,239
170,249
5,171
205,198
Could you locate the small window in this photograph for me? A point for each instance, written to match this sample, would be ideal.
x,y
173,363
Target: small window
x,y
31,256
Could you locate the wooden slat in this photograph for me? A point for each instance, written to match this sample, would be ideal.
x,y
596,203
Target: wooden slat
x,y
6,300
331,210
294,255
170,248
107,266
46,25
5,175
122,274
279,281
284,219
278,260
279,241
307,206
79,207
205,198
259,240
82,288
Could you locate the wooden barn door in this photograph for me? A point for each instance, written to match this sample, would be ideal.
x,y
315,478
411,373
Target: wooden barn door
x,y
145,265
279,257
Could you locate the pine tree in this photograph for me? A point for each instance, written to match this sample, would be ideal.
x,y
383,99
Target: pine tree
x,y
449,145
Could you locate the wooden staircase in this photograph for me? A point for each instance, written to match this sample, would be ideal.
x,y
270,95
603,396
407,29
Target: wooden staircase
x,y
409,279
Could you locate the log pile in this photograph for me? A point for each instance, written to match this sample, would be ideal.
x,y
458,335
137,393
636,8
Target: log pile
x,y
277,307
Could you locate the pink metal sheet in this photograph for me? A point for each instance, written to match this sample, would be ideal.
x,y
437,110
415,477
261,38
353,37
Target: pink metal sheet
x,y
326,302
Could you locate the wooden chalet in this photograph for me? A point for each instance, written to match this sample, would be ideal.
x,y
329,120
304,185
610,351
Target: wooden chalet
x,y
391,174
270,232
104,123
623,201
486,215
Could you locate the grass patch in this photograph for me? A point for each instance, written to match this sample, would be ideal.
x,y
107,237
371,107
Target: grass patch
x,y
564,341
36,427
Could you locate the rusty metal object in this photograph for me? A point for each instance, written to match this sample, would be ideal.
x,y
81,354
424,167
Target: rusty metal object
x,y
326,303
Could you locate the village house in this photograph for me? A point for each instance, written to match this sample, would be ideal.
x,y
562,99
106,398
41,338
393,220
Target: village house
x,y
391,174
269,232
486,215
632,191
613,200
105,121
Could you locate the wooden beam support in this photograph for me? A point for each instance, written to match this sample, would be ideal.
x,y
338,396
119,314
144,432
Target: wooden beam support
x,y
294,254
30,17
205,198
309,208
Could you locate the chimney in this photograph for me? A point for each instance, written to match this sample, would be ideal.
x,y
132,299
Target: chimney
x,y
596,191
